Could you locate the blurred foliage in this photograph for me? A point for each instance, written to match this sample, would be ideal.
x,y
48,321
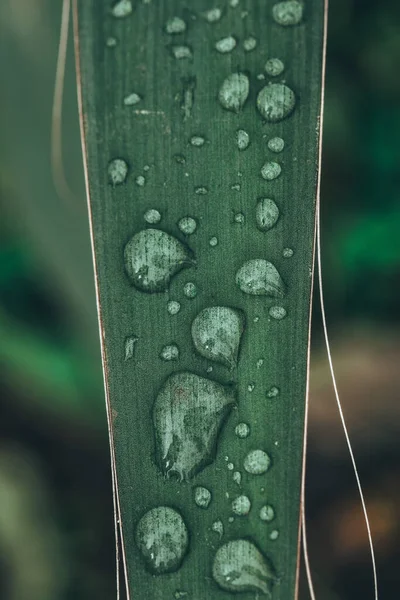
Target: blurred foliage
x,y
53,426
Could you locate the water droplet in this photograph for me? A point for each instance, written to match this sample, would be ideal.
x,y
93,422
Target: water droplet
x,y
117,171
213,15
274,535
209,369
251,387
121,9
146,168
216,334
213,241
237,477
152,257
190,290
188,95
239,218
260,363
202,496
249,43
162,538
130,345
287,253
230,466
181,52
234,91
275,102
201,190
260,76
173,307
226,44
257,462
274,67
152,216
276,144
175,25
197,141
271,170
241,506
239,566
132,99
111,42
236,187
233,3
187,225
267,214
243,139
188,414
140,180
258,277
180,159
273,392
231,519
242,430
267,513
218,527
170,352
179,594
277,312
288,13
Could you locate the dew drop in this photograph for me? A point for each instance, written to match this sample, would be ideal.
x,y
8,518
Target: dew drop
x,y
187,225
241,506
197,141
152,216
230,466
249,44
216,334
257,462
201,190
132,99
173,307
274,535
267,513
122,9
242,430
175,25
276,144
153,257
258,277
237,477
181,52
226,44
239,218
242,139
274,67
218,527
231,519
239,566
287,253
202,496
288,13
273,392
271,170
117,171
277,312
170,352
190,290
267,214
213,241
275,102
188,414
234,91
213,15
130,346
140,180
163,539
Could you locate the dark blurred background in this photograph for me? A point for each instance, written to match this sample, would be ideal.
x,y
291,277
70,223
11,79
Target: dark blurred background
x,y
56,527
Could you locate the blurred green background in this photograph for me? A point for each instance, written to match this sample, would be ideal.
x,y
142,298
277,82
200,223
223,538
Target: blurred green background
x,y
56,527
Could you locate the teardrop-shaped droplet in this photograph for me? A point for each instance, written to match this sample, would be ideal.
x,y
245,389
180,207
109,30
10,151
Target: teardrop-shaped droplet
x,y
288,13
218,527
152,257
163,540
216,334
267,214
188,414
237,477
258,277
275,102
130,346
234,91
257,462
240,567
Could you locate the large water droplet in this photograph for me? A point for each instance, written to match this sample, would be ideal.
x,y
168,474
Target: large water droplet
x,y
234,91
267,513
152,216
216,334
258,277
267,214
276,102
243,139
276,144
241,506
240,567
163,540
202,496
130,345
152,257
277,312
181,52
213,15
173,307
271,170
242,430
257,462
288,13
226,44
188,414
117,171
175,25
249,44
170,352
187,225
274,67
132,99
121,9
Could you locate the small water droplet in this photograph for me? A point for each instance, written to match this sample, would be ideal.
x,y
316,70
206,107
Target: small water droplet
x,y
173,307
132,99
275,102
226,44
260,363
267,513
251,387
181,52
274,535
276,144
213,15
288,13
152,257
236,187
239,218
249,44
258,277
287,253
121,9
201,190
237,477
187,225
213,241
216,334
234,91
271,170
243,139
111,42
273,392
277,312
230,466
152,216
256,319
186,443
274,67
241,506
117,171
242,430
179,594
267,214
209,369
170,352
231,519
257,462
239,566
163,539
140,180
202,496
197,141
180,159
130,345
190,290
175,25
260,76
